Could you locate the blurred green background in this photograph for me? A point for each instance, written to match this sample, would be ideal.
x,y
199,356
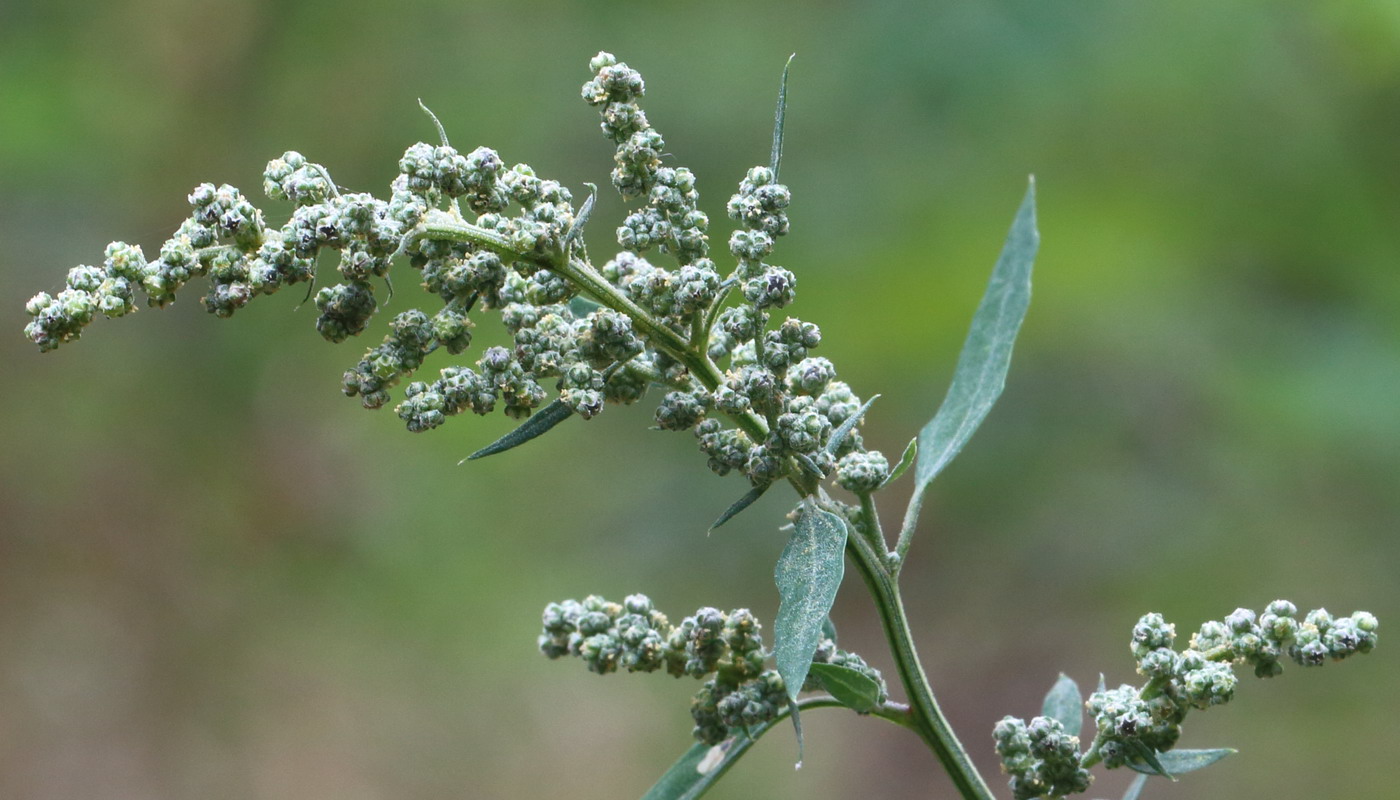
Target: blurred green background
x,y
219,578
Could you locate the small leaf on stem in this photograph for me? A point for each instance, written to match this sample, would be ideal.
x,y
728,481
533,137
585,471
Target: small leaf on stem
x,y
856,690
1065,704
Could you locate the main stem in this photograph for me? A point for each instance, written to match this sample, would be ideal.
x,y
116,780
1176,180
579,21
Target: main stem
x,y
929,721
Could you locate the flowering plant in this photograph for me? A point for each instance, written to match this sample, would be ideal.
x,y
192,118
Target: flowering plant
x,y
662,315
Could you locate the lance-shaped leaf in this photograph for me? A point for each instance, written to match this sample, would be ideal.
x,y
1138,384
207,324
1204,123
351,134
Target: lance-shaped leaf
x,y
539,423
856,690
1064,704
581,220
1180,762
843,430
1147,760
808,574
739,505
981,371
911,450
829,629
778,119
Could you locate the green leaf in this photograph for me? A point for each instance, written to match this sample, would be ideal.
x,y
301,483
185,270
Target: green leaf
x,y
740,504
539,423
582,306
698,769
586,211
442,132
981,371
844,429
829,629
1136,788
1180,762
905,461
1064,703
778,118
808,574
856,690
1151,764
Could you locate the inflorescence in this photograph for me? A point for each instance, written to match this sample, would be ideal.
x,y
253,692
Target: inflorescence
x,y
725,650
484,236
1132,723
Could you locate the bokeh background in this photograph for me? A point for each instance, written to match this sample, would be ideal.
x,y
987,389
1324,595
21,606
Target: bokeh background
x,y
219,578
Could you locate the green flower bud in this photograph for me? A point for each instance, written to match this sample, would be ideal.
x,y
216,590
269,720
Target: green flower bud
x,y
862,472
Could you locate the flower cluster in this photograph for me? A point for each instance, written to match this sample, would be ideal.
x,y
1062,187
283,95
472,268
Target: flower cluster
x,y
725,650
1041,758
1132,723
484,236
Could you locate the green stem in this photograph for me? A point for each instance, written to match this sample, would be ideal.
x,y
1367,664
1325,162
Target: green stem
x,y
929,721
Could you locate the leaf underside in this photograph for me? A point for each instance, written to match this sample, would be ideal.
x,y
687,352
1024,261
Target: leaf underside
x,y
808,574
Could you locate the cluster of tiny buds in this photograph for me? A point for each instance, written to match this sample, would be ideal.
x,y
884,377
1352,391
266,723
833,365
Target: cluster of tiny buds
x,y
725,650
1041,757
1133,722
776,404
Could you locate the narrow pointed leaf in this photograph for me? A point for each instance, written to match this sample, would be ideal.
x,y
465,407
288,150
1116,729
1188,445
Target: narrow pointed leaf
x,y
844,429
1064,703
586,211
442,132
808,574
856,690
539,423
778,119
1180,762
741,504
986,355
911,450
1150,762
829,629
1135,790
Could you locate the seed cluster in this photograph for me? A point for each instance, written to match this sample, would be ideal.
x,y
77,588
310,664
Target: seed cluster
x,y
1133,723
724,650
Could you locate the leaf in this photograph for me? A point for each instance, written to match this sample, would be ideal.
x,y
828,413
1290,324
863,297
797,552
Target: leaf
x,y
442,132
829,629
856,690
582,306
740,504
911,450
1136,788
844,429
1064,703
808,574
1180,762
778,118
586,211
797,728
981,371
698,769
1152,765
539,423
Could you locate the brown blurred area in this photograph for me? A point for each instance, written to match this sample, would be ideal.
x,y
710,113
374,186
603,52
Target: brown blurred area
x,y
219,578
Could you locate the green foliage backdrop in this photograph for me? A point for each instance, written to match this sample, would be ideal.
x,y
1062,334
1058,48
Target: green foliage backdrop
x,y
219,578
